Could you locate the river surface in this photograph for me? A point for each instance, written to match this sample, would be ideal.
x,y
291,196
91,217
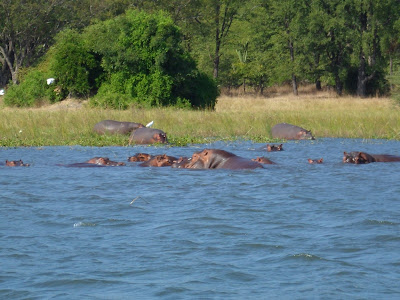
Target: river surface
x,y
290,231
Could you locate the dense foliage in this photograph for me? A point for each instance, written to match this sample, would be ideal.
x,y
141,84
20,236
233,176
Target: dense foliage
x,y
351,45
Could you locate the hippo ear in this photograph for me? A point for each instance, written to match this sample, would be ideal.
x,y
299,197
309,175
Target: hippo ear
x,y
363,156
320,160
205,152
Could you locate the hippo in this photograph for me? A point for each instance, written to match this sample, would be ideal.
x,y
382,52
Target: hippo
x,y
356,157
264,160
181,163
148,136
220,159
139,157
104,161
271,148
315,161
159,161
116,127
16,163
290,132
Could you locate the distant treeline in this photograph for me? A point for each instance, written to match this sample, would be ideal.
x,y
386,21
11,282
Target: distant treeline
x,y
351,45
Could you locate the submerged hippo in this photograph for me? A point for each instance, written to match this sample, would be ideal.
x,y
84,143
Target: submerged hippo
x,y
159,161
181,163
148,136
315,161
271,148
290,132
356,157
139,157
104,161
116,127
16,163
264,160
220,159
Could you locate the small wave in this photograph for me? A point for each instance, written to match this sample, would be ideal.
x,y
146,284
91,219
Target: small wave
x,y
306,256
378,222
83,224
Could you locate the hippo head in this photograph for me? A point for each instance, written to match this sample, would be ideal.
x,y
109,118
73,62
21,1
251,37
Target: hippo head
x,y
357,158
305,135
315,161
160,137
195,162
182,162
104,161
139,157
164,160
16,163
274,147
263,160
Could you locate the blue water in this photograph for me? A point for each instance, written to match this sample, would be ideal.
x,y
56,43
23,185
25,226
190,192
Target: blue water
x,y
289,231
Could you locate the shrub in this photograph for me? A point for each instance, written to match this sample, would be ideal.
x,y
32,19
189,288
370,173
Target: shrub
x,y
74,67
32,90
146,64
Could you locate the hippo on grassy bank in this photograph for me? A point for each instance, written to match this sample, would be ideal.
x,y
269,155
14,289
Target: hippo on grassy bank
x,y
290,132
148,136
356,157
220,159
116,127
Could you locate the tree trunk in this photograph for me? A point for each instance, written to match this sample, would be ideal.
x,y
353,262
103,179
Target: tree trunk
x,y
361,78
338,85
217,41
294,80
318,85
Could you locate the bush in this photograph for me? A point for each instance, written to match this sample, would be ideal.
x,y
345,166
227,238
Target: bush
x,y
146,64
32,90
74,67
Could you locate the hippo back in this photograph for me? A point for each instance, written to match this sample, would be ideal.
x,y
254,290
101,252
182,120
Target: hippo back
x,y
148,136
116,127
290,132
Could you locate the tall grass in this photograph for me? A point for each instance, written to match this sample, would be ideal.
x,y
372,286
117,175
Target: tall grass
x,y
239,117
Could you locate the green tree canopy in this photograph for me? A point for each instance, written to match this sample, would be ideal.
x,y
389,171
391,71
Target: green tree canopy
x,y
145,63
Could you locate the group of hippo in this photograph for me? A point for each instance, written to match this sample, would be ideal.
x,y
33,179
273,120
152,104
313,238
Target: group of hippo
x,y
207,158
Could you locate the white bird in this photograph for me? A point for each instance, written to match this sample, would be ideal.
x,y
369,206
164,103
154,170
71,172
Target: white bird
x,y
150,124
1,92
50,81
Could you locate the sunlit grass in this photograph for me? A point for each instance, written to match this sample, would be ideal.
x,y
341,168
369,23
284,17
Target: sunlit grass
x,y
239,117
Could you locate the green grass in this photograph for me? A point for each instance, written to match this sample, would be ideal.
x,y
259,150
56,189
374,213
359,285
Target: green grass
x,y
247,118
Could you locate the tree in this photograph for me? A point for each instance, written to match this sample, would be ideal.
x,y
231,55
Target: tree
x,y
145,63
27,28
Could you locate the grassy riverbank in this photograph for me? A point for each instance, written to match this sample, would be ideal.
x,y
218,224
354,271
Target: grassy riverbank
x,y
251,118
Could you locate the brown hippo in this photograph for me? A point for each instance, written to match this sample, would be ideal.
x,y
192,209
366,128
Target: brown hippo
x,y
316,161
290,132
139,157
220,159
104,161
116,127
271,148
365,158
264,160
148,136
16,163
159,161
181,163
